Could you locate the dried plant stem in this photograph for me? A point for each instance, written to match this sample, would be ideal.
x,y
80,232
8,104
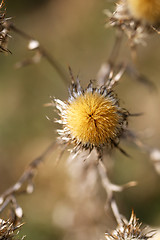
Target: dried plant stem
x,y
107,67
115,211
18,31
110,188
116,48
153,153
43,52
136,75
105,73
26,178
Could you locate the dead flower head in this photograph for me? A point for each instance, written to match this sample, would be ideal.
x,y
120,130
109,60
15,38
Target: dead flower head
x,y
137,18
4,30
130,231
8,230
91,118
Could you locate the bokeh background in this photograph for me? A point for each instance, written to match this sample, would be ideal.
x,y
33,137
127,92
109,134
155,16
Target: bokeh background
x,y
73,32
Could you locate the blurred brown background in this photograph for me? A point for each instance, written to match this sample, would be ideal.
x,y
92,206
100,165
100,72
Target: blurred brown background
x,y
73,32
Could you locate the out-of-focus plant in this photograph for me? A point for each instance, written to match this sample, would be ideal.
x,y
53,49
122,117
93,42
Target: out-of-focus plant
x,y
93,121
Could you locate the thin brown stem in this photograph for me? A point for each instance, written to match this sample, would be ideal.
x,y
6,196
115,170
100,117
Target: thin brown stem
x,y
116,48
108,67
26,177
54,63
110,188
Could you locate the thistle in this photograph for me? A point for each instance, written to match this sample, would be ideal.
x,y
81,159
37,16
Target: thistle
x,y
91,118
4,30
7,230
145,10
130,231
136,18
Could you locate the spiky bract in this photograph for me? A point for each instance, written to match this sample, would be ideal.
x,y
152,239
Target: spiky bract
x,y
7,230
131,230
4,30
91,117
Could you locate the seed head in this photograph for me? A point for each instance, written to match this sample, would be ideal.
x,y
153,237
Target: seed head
x,y
130,231
91,118
8,230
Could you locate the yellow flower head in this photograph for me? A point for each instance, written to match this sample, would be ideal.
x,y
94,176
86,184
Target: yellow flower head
x,y
136,18
145,10
91,118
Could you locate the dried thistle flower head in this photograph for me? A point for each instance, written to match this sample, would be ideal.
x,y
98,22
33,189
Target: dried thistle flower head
x,y
137,18
130,231
91,118
4,30
7,230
